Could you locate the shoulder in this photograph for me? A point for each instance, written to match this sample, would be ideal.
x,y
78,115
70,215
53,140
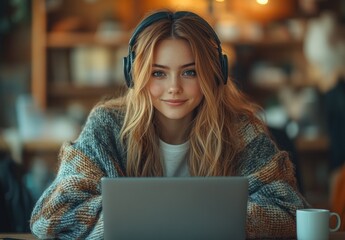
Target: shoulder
x,y
104,122
99,139
106,113
249,130
258,148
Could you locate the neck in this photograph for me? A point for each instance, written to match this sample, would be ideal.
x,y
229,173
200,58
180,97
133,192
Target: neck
x,y
174,131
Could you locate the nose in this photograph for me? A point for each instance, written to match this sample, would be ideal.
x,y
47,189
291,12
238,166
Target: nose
x,y
175,85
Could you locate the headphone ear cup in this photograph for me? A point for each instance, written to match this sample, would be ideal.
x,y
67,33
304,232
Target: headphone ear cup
x,y
127,67
225,67
125,71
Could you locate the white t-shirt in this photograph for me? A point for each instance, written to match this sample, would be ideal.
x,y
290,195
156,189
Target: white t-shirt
x,y
174,159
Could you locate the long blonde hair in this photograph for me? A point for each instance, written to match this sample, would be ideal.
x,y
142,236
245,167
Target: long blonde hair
x,y
214,137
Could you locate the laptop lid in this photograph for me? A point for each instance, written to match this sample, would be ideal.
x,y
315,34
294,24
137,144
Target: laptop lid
x,y
175,208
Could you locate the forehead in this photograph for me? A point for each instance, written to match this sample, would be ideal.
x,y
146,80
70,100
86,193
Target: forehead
x,y
173,50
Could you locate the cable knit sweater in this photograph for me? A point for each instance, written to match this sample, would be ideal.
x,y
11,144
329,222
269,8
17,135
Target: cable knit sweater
x,y
71,208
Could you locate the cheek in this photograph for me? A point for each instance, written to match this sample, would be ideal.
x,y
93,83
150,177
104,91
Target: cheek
x,y
195,90
155,90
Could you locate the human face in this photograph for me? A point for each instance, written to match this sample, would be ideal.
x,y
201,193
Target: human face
x,y
174,84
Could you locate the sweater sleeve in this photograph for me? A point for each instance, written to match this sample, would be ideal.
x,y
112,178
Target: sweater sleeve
x,y
71,207
273,194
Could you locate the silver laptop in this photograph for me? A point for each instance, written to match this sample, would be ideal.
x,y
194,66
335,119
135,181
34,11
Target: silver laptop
x,y
175,208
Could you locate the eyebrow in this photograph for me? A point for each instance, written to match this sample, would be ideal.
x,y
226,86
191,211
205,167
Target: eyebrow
x,y
166,67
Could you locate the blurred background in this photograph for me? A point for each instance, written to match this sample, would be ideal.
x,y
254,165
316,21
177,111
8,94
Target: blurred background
x,y
58,58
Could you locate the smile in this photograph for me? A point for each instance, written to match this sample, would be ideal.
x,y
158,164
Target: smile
x,y
175,102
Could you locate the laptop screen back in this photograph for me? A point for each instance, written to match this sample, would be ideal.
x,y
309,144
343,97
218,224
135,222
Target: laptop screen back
x,y
175,208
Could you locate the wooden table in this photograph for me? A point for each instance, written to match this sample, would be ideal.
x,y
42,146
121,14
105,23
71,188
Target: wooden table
x,y
28,236
337,236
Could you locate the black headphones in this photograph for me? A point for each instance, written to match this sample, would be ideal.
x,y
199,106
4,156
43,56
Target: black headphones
x,y
128,61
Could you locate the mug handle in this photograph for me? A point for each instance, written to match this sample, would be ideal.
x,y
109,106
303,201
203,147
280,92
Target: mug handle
x,y
338,222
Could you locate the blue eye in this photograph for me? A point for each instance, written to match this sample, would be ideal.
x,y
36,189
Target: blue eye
x,y
189,73
158,74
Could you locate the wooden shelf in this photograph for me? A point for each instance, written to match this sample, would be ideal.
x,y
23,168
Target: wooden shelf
x,y
44,42
319,144
86,96
70,90
39,145
73,39
266,42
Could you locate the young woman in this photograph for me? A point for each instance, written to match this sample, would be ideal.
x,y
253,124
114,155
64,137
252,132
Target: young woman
x,y
180,117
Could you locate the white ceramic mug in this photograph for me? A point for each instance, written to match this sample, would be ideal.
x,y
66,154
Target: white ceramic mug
x,y
313,224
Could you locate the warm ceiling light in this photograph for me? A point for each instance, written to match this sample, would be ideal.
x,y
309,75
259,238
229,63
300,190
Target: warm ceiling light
x,y
219,0
262,2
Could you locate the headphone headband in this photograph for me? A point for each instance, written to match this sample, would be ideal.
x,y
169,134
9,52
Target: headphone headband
x,y
128,61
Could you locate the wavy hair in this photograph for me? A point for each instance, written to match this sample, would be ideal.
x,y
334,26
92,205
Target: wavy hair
x,y
214,133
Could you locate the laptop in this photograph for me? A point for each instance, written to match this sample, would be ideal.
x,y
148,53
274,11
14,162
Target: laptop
x,y
174,208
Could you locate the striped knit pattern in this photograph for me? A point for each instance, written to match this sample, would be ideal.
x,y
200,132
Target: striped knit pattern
x,y
71,208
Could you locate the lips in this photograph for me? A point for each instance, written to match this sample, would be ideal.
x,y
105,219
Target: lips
x,y
175,102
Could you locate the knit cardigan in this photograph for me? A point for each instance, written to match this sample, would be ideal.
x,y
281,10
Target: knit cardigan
x,y
71,207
